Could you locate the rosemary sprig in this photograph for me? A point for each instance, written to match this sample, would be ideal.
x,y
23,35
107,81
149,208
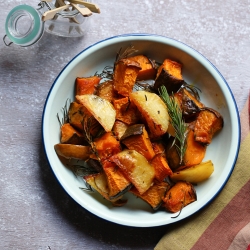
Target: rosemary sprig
x,y
177,122
64,110
126,53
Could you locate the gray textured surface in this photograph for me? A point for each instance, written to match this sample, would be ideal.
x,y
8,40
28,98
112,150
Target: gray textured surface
x,y
35,212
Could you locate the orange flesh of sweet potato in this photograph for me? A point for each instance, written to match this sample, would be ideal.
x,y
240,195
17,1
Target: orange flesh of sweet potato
x,y
106,146
154,195
70,135
195,151
125,74
117,182
119,129
136,138
148,71
158,148
207,124
179,196
169,75
76,112
162,169
106,91
86,85
126,111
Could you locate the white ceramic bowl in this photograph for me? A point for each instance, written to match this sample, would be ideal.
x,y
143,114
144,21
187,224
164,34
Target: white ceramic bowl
x,y
196,69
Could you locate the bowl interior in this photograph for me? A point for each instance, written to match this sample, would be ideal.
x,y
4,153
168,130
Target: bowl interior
x,y
197,70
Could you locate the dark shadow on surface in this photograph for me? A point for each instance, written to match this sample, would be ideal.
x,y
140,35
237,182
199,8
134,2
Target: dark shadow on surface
x,y
91,225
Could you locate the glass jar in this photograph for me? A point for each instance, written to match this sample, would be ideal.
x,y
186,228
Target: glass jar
x,y
24,25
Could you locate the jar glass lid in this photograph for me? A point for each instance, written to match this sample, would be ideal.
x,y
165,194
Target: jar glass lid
x,y
23,25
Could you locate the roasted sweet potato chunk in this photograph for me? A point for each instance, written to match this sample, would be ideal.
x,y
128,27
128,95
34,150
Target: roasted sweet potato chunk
x,y
70,135
179,196
207,124
162,169
106,146
148,69
154,195
136,138
117,182
86,85
125,74
76,113
169,75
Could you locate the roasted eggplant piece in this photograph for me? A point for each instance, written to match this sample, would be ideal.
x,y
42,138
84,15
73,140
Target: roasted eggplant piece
x,y
106,91
136,138
169,74
208,122
178,196
125,74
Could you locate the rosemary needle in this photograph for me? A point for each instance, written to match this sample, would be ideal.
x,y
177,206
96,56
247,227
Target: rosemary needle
x,y
176,120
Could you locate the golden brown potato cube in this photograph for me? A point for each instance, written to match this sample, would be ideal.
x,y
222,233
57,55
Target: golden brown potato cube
x,y
69,151
208,122
136,168
125,74
179,196
169,74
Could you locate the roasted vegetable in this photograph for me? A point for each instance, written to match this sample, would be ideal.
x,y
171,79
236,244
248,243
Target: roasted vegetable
x,y
154,195
179,196
169,75
119,129
162,169
102,110
106,91
76,113
194,174
207,124
148,69
117,182
153,110
126,111
106,146
125,74
136,168
70,135
69,151
86,85
136,138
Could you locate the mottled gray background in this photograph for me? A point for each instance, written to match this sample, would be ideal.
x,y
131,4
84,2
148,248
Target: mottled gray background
x,y
35,212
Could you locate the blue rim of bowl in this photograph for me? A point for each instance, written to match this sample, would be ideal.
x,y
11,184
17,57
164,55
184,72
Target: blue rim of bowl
x,y
181,43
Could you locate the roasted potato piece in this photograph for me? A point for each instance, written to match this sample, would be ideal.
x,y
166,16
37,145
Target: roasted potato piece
x,y
194,174
126,111
208,122
117,182
106,91
106,146
69,151
102,110
169,75
136,138
136,168
153,110
125,74
162,169
179,196
86,85
70,135
148,69
154,195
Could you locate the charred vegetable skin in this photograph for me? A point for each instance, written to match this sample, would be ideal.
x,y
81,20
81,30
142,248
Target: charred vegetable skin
x,y
150,142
